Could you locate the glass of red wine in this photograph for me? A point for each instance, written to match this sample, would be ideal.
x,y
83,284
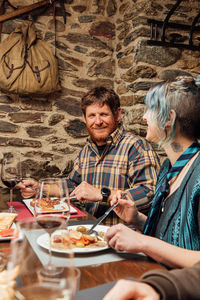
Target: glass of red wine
x,y
11,174
49,209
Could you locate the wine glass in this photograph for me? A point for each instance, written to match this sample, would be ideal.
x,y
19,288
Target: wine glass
x,y
32,283
3,261
11,175
50,288
49,211
65,191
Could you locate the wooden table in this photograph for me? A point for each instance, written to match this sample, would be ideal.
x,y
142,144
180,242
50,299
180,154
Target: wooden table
x,y
94,275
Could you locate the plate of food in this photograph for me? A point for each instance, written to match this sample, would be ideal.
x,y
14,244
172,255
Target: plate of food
x,y
81,242
7,225
49,206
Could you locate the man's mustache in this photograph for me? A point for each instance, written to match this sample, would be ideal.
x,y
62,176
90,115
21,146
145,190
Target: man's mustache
x,y
99,127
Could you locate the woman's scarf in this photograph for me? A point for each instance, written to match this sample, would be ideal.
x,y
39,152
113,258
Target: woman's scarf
x,y
159,198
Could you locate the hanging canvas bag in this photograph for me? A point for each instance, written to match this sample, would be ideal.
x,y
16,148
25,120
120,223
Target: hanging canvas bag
x,y
27,64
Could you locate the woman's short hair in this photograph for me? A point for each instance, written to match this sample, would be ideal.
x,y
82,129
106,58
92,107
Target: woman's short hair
x,y
101,95
183,96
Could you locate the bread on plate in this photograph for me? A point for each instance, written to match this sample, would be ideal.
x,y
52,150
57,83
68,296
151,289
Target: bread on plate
x,y
6,220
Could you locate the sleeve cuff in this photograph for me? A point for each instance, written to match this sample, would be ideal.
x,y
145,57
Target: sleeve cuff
x,y
162,285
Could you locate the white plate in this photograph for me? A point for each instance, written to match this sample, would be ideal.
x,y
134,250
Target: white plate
x,y
43,240
8,237
63,207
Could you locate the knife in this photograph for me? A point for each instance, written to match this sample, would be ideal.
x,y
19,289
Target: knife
x,y
99,220
72,198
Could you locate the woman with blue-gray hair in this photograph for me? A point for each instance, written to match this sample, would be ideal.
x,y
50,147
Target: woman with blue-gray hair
x,y
171,232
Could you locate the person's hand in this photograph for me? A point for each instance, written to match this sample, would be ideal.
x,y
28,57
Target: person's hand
x,y
126,208
122,238
86,192
131,290
28,188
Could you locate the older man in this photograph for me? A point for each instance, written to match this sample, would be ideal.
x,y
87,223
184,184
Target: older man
x,y
112,159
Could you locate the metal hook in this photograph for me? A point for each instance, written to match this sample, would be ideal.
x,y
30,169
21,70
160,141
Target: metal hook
x,y
167,19
193,28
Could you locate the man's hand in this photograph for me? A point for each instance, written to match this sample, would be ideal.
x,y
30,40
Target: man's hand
x,y
86,192
28,188
132,290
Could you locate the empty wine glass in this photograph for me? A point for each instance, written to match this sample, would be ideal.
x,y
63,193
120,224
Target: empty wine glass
x,y
49,210
65,192
11,174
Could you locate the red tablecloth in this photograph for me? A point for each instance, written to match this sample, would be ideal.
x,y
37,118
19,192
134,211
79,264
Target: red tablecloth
x,y
24,212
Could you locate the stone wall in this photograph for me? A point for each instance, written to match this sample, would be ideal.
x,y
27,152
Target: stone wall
x,y
102,43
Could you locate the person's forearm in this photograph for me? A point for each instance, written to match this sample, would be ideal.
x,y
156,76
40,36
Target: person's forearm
x,y
164,287
168,254
139,222
175,284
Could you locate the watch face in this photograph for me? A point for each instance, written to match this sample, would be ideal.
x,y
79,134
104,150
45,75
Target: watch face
x,y
105,191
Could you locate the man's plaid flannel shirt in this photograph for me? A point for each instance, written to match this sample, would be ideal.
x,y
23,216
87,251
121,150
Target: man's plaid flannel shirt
x,y
128,163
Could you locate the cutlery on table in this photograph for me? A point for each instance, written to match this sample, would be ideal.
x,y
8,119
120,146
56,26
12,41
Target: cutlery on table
x,y
71,198
100,219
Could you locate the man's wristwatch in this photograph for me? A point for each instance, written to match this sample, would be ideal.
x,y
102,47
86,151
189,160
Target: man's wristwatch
x,y
105,192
